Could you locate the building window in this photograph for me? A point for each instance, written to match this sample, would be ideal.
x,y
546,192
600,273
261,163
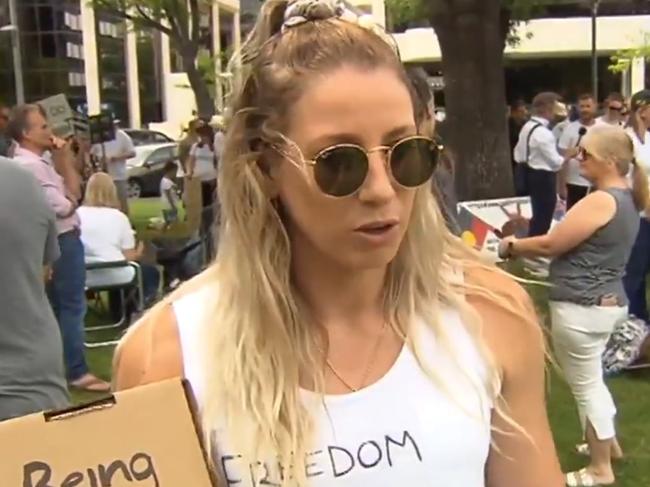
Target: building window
x,y
112,63
51,48
74,50
109,29
76,79
149,76
72,21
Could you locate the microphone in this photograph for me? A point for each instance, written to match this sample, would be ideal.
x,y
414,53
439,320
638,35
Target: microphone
x,y
582,132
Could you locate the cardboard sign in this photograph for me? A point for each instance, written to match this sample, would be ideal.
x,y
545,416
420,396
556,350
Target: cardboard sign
x,y
141,437
59,115
484,223
102,128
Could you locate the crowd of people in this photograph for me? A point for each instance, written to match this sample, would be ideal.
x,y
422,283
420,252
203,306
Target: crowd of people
x,y
341,313
85,188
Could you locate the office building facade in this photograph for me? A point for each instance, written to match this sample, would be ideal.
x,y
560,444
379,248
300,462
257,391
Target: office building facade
x,y
101,63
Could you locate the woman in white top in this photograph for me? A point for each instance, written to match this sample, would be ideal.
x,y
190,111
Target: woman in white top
x,y
639,264
203,163
107,236
343,337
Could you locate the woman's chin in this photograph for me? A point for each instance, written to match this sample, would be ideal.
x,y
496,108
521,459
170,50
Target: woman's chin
x,y
374,259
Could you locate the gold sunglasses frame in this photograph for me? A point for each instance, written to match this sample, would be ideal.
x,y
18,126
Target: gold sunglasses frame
x,y
387,149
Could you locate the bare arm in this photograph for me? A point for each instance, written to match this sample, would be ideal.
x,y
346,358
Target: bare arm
x,y
134,254
191,165
516,342
150,351
580,223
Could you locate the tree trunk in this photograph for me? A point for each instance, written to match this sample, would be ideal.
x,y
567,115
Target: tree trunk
x,y
472,38
204,101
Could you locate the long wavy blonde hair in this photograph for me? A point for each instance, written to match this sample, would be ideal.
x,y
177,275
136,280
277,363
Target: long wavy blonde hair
x,y
258,342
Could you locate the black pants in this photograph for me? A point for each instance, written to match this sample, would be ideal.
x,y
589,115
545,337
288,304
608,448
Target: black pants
x,y
520,174
208,216
208,189
543,197
575,193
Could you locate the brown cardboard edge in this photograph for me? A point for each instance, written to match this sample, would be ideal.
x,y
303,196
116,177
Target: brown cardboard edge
x,y
193,407
108,401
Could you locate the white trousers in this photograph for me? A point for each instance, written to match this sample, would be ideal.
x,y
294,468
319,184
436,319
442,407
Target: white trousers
x,y
580,335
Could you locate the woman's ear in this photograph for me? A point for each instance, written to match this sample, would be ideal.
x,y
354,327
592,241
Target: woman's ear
x,y
269,177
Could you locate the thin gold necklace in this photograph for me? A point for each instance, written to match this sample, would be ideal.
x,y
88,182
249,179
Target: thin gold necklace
x,y
371,362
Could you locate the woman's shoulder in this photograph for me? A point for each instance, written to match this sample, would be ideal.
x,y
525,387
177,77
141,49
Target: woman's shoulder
x,y
151,350
511,327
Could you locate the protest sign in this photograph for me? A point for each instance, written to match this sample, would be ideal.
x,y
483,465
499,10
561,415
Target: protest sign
x,y
102,128
59,115
484,223
142,437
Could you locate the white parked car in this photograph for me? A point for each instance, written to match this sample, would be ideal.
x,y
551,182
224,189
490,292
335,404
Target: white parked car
x,y
145,170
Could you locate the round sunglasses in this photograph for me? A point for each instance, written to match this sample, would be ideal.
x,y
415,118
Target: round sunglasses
x,y
341,170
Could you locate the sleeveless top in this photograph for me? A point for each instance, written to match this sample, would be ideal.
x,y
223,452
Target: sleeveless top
x,y
401,430
595,268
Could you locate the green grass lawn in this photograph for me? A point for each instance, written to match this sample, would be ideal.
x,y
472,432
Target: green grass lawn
x,y
631,392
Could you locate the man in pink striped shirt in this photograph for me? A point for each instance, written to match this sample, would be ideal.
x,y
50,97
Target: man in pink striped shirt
x,y
35,152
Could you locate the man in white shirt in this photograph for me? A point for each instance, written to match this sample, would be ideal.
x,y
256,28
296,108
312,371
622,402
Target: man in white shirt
x,y
576,186
536,153
117,152
614,110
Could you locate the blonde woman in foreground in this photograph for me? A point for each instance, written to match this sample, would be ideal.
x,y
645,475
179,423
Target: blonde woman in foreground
x,y
343,337
590,249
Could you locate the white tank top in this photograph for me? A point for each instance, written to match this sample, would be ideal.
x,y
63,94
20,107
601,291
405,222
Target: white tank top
x,y
400,431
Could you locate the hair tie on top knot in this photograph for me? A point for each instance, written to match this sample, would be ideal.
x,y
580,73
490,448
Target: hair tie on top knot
x,y
302,11
299,12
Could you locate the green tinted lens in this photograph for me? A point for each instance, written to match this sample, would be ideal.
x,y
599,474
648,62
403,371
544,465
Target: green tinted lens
x,y
340,171
413,161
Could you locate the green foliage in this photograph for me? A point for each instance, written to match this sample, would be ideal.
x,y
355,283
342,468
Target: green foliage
x,y
622,60
177,18
404,11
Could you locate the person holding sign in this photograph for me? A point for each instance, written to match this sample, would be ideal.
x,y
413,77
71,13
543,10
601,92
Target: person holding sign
x,y
343,337
590,248
29,128
114,155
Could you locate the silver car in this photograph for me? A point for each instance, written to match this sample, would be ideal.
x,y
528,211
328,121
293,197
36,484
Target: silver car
x,y
145,170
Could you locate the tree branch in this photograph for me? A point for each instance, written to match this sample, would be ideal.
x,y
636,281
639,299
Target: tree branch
x,y
142,19
146,19
178,18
